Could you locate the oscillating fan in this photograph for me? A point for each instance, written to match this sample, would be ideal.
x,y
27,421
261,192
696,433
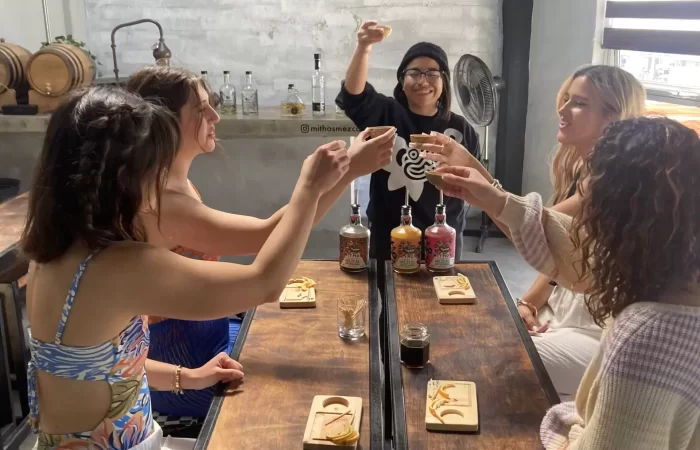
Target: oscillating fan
x,y
477,94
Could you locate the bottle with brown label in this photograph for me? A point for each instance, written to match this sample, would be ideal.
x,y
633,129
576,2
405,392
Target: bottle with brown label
x,y
354,243
405,244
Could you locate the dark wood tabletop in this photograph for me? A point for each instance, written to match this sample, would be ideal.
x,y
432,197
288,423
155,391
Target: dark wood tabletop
x,y
485,343
291,355
13,214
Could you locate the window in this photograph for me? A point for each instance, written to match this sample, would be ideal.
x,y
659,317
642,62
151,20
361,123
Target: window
x,y
659,43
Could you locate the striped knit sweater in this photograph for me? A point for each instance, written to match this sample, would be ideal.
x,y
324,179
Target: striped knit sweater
x,y
642,390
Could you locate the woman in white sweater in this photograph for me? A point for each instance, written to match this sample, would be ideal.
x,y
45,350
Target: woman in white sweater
x,y
565,335
633,249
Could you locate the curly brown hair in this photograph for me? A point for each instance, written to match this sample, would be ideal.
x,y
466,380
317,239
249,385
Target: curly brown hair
x,y
105,150
639,223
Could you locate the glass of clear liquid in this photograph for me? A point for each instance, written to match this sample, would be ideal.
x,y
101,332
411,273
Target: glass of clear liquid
x,y
352,310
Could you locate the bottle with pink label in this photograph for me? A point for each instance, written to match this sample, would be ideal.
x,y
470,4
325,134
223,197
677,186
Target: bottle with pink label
x,y
440,241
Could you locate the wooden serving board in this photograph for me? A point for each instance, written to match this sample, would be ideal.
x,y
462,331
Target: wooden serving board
x,y
459,412
449,291
329,413
294,297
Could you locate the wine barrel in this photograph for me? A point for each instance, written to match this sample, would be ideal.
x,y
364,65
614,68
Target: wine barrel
x,y
59,68
13,64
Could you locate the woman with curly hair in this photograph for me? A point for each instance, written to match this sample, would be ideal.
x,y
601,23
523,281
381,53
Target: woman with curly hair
x,y
565,335
633,250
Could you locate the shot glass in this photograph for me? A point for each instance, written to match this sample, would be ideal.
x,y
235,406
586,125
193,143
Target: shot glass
x,y
351,317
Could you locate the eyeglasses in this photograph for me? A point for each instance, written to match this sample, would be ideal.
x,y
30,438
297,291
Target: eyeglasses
x,y
431,75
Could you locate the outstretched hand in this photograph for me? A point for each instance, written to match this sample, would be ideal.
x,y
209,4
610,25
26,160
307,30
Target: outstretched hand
x,y
367,154
446,150
469,185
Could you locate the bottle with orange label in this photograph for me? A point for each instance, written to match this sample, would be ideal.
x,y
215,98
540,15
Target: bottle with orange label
x,y
405,244
440,241
354,243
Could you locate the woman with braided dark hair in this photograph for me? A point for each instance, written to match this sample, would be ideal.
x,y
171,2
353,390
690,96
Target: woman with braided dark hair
x,y
93,279
633,250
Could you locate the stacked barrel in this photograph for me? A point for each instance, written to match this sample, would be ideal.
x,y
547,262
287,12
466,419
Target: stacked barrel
x,y
13,80
45,77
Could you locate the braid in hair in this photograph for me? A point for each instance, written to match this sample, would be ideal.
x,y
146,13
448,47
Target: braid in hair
x,y
103,147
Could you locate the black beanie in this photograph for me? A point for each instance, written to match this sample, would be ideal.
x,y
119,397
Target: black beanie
x,y
429,50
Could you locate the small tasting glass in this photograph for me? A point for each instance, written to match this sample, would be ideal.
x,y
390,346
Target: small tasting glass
x,y
351,317
415,345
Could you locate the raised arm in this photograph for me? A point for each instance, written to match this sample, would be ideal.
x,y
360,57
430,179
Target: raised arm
x,y
356,75
540,235
188,222
166,284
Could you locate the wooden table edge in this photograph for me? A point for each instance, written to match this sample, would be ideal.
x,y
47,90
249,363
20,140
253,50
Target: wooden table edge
x,y
376,380
397,405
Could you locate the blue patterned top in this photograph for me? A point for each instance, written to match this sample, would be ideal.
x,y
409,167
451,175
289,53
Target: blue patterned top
x,y
120,363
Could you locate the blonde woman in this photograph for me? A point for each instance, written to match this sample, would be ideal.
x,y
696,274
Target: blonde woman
x,y
565,335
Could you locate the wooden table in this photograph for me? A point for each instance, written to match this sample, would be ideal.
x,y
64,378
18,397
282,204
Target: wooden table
x,y
291,355
486,343
13,214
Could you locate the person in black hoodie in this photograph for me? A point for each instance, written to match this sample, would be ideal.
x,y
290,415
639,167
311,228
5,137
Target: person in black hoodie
x,y
421,104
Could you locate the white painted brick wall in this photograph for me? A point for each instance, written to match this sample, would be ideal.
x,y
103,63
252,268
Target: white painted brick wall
x,y
276,39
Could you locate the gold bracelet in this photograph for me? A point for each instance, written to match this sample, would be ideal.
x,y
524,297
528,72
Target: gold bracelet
x,y
529,306
177,389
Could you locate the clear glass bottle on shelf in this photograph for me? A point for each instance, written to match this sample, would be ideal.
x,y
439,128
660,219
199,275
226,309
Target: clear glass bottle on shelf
x,y
249,95
227,95
214,98
354,243
440,239
318,88
292,105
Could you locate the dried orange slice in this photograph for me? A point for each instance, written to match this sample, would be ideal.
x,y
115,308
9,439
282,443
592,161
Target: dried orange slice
x,y
349,440
338,430
441,390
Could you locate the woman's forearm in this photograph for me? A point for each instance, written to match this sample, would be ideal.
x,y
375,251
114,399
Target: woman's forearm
x,y
161,376
539,292
356,75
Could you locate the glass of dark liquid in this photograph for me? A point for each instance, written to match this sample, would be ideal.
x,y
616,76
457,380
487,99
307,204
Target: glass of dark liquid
x,y
415,345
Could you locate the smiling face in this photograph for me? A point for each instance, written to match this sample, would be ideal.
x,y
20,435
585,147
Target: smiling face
x,y
423,84
582,115
198,120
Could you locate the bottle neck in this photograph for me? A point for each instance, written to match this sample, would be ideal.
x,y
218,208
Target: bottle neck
x,y
249,79
317,64
440,219
227,78
356,219
406,220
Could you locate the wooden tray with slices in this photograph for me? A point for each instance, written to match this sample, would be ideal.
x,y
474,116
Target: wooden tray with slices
x,y
454,290
299,293
451,406
334,422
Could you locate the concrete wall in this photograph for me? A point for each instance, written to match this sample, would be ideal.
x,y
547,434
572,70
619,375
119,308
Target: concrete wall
x,y
562,40
22,22
276,39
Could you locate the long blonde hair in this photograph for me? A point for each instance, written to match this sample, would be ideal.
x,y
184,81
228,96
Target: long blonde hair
x,y
623,97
